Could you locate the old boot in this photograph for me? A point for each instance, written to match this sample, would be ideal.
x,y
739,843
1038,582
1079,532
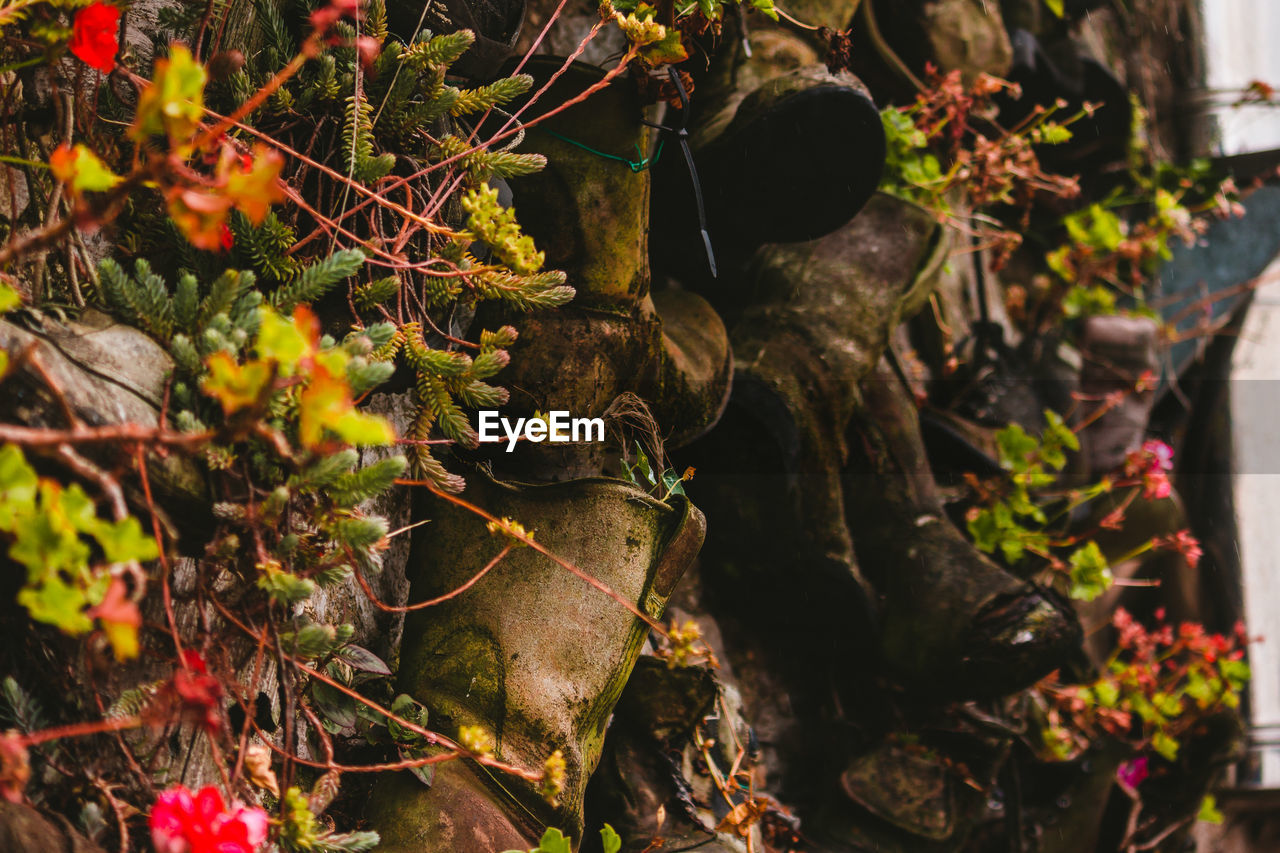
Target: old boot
x,y
1115,353
786,150
646,787
952,621
589,211
531,653
817,316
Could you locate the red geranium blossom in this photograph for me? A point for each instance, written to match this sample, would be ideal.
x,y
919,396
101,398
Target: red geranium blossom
x,y
93,36
181,823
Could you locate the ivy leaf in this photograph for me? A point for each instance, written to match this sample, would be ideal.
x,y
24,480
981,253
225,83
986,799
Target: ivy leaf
x,y
1057,438
325,404
1108,694
234,385
667,50
642,465
321,405
81,169
1014,446
554,841
1166,745
1090,574
56,603
174,102
124,540
17,485
765,7
45,542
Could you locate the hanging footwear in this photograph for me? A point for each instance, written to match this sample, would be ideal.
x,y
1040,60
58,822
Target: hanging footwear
x,y
532,654
588,210
952,622
808,321
786,150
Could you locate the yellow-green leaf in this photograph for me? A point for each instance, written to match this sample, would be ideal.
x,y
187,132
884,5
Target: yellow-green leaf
x,y
55,603
9,298
124,540
234,385
81,169
174,102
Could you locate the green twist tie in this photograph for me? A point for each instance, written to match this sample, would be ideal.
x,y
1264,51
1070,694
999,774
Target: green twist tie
x,y
634,165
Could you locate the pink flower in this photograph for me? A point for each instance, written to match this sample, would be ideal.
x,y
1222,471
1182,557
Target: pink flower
x,y
181,823
1161,454
1132,773
1151,463
1184,543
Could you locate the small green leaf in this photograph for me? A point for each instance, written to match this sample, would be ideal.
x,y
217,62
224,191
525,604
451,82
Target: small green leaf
x,y
17,485
81,169
554,841
1090,574
1165,745
1014,446
362,429
124,540
1209,812
9,298
642,465
55,603
610,840
362,659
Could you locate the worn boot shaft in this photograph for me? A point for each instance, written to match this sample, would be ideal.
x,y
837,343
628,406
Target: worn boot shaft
x,y
589,211
952,621
532,653
818,317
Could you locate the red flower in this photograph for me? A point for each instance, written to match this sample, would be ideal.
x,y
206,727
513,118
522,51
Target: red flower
x,y
93,36
181,823
198,693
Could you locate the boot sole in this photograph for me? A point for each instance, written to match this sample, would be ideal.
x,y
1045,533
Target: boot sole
x,y
800,170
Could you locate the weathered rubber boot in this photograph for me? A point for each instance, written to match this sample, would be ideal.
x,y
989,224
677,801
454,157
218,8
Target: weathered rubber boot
x,y
1115,353
786,150
817,317
952,621
589,212
645,787
531,653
